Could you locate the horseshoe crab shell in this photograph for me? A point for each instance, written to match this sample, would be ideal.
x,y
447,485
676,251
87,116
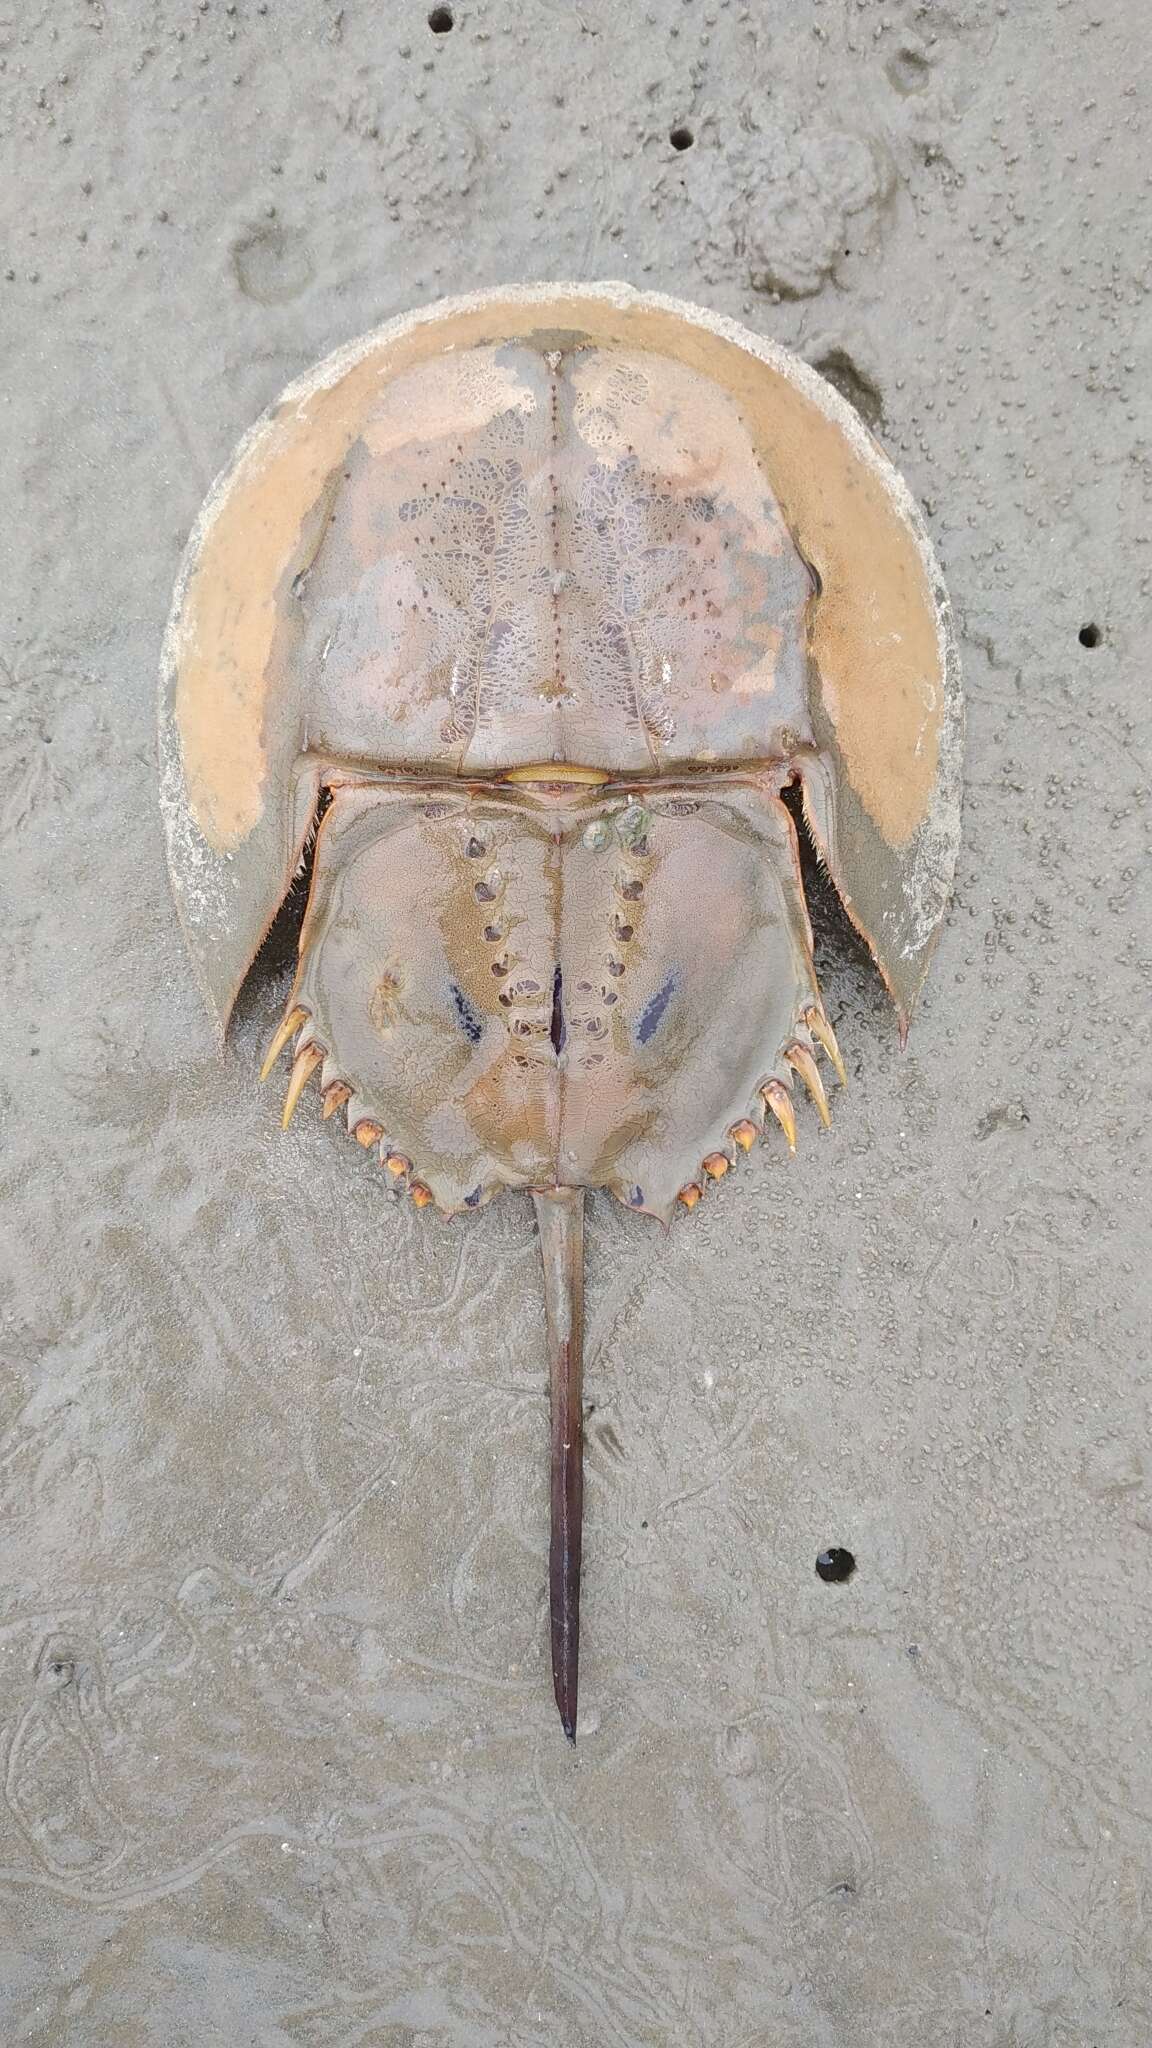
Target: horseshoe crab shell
x,y
544,596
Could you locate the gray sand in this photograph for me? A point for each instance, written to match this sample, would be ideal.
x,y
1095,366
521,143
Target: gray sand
x,y
281,1762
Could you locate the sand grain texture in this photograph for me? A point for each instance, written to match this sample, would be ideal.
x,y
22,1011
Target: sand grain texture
x,y
280,1760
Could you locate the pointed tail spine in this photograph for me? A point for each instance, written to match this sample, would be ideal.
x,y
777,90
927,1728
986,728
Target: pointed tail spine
x,y
560,1217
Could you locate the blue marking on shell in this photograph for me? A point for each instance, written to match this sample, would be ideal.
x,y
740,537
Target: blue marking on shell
x,y
467,1015
653,1012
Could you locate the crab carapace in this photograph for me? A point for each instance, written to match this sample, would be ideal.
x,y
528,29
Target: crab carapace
x,y
542,598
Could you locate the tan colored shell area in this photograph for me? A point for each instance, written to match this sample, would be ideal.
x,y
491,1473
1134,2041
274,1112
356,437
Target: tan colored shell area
x,y
513,1003
582,562
873,641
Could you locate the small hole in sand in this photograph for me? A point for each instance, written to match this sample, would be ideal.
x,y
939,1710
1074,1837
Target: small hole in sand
x,y
441,20
1089,636
835,1565
681,138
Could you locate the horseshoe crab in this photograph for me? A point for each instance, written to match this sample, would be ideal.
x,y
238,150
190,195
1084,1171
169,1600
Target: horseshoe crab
x,y
537,601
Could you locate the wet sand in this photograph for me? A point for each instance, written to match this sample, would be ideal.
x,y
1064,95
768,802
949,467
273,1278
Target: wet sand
x,y
281,1764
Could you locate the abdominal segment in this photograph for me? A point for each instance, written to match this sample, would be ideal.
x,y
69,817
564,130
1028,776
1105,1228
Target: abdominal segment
x,y
554,987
